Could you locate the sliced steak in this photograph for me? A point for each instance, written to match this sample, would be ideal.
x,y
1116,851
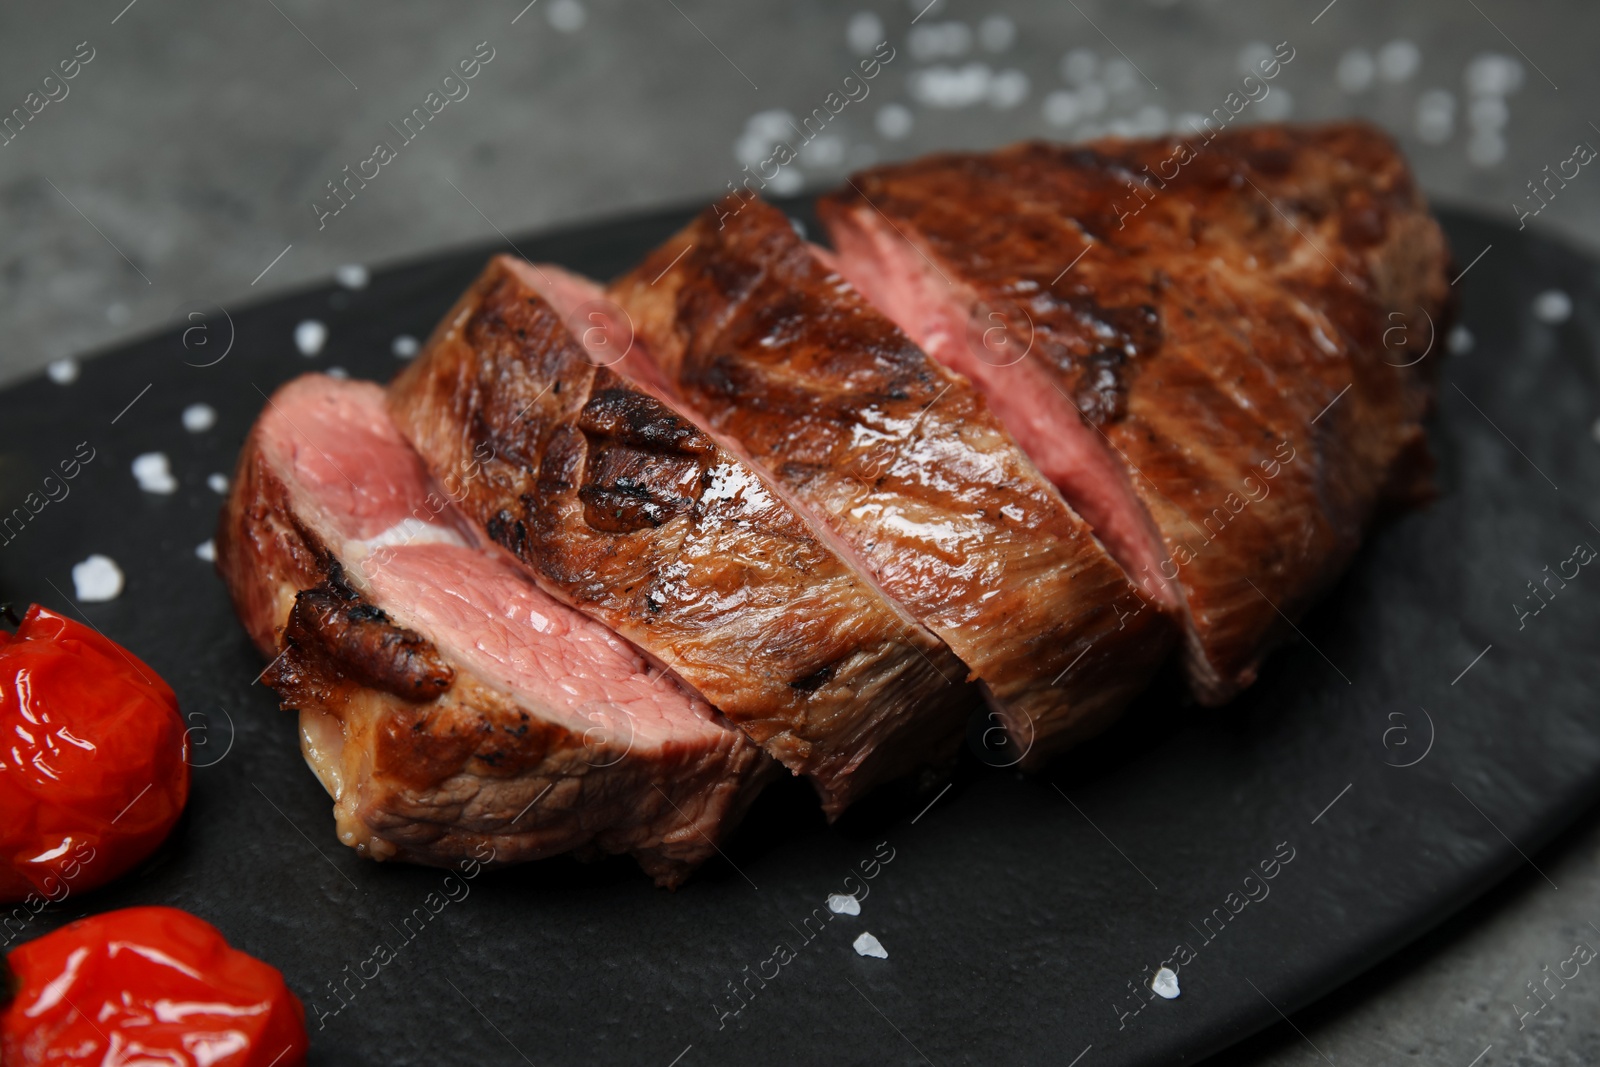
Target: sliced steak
x,y
1205,372
904,460
446,703
624,508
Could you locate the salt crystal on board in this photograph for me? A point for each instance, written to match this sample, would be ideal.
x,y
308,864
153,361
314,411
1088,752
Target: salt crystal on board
x,y
97,579
867,945
1165,984
153,473
310,336
843,904
351,276
198,418
1552,306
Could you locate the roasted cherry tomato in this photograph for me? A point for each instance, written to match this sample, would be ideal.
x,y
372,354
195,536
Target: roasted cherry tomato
x,y
93,759
147,986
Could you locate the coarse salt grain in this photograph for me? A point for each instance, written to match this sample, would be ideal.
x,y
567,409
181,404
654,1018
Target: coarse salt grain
x,y
198,418
864,32
63,371
404,347
1355,70
1165,984
97,579
867,945
567,16
893,121
217,482
310,336
1552,306
153,473
351,276
206,550
843,904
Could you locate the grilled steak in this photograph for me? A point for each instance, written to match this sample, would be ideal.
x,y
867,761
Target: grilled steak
x,y
904,460
446,703
624,508
1206,376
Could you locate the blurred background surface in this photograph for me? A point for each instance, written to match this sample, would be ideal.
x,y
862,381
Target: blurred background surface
x,y
184,161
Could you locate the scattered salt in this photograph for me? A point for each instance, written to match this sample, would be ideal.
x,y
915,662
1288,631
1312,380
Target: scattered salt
x,y
1062,108
893,121
1488,113
97,579
1121,77
843,904
404,347
864,32
63,371
1252,55
1486,148
867,945
1552,306
1459,341
1079,66
1151,120
997,33
198,418
1276,105
1355,70
217,482
1165,984
1493,74
943,86
153,473
567,16
1398,60
787,182
1436,116
351,276
338,372
206,550
310,336
1008,89
935,40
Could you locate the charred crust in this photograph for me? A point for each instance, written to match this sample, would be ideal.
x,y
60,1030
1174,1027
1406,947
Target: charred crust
x,y
632,418
333,631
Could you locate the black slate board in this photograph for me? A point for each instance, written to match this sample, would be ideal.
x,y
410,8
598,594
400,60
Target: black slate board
x,y
1019,913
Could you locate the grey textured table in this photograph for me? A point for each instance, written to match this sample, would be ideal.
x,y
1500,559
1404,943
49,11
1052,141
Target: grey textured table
x,y
183,163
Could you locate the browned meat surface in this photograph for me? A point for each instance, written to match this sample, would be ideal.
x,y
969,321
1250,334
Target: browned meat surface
x,y
448,706
905,461
1205,373
628,511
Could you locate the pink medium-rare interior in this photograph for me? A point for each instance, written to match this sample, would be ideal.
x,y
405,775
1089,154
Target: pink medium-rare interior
x,y
345,454
348,464
597,321
893,275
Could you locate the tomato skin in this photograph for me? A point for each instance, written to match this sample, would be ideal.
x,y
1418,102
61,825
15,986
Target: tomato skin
x,y
149,986
93,759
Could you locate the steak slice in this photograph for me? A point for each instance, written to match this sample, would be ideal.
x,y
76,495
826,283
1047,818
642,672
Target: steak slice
x,y
904,460
1206,375
624,508
446,703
